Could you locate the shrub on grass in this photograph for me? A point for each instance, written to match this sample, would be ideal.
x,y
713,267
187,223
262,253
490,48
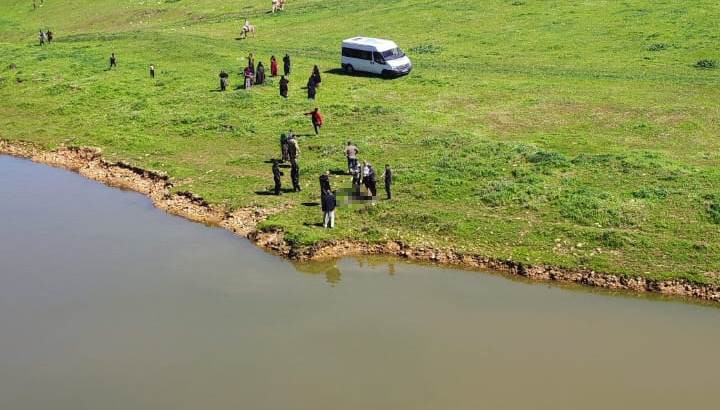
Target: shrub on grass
x,y
713,211
426,49
657,47
706,64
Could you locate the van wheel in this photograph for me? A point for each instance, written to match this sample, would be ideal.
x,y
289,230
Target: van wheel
x,y
348,68
386,73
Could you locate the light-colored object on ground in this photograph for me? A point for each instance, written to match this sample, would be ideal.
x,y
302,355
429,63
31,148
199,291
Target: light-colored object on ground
x,y
278,5
374,55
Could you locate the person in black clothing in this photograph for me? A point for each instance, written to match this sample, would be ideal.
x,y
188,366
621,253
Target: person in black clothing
x,y
311,88
295,175
316,76
260,74
113,60
325,182
276,176
328,204
370,182
49,36
284,87
152,70
223,80
388,176
284,147
286,64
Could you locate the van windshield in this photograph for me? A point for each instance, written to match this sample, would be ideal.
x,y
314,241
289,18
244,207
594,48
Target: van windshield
x,y
393,54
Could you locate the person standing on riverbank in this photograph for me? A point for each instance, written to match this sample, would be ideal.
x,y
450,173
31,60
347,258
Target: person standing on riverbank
x,y
295,175
328,204
325,182
388,177
369,178
277,176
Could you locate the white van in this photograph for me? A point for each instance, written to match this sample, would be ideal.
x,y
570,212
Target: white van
x,y
374,55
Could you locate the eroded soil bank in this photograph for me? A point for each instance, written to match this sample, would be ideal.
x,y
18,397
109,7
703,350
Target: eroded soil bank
x,y
243,222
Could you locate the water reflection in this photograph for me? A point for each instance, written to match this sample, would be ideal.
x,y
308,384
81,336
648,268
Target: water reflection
x,y
331,270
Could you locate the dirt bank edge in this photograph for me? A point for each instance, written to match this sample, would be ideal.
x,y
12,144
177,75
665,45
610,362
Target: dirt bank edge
x,y
89,163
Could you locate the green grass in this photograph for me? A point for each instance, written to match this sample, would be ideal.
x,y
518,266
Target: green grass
x,y
572,133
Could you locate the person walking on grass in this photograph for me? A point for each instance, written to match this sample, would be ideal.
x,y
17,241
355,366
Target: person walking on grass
x,y
295,175
351,153
273,66
328,203
49,35
317,119
388,177
284,87
152,71
316,76
113,60
286,64
311,89
277,175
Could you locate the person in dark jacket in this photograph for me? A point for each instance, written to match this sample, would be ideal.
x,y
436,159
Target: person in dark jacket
x,y
113,60
286,64
223,80
260,74
328,203
284,147
311,88
152,70
284,87
325,182
295,175
276,176
316,76
388,176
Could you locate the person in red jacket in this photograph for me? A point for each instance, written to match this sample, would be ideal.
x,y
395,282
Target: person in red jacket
x,y
316,118
273,66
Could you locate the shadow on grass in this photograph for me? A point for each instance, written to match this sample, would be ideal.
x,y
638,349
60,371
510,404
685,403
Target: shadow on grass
x,y
311,204
316,224
340,71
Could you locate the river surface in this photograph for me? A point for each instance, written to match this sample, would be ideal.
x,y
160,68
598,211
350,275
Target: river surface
x,y
108,303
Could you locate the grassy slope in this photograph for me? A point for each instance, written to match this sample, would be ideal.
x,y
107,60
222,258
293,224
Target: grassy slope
x,y
532,127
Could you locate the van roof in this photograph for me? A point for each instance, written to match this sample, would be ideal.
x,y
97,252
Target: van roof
x,y
378,44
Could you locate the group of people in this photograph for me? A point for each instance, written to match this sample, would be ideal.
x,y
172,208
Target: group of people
x,y
364,174
289,152
256,75
45,37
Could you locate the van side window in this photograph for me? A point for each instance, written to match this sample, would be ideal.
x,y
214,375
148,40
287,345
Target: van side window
x,y
378,58
352,53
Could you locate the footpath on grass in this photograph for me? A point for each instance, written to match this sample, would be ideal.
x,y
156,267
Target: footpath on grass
x,y
89,163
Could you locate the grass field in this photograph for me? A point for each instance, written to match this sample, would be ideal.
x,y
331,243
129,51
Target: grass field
x,y
572,133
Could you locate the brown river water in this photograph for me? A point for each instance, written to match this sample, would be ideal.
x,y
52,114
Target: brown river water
x,y
108,303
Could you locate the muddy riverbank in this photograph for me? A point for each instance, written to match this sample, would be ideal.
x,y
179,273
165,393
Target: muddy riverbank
x,y
89,163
